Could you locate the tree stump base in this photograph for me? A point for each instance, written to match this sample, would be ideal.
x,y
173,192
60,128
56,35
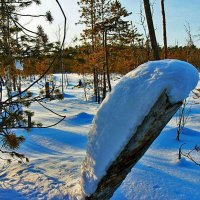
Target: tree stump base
x,y
141,139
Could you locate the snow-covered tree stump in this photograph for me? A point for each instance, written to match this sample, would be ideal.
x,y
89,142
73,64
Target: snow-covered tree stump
x,y
142,138
130,119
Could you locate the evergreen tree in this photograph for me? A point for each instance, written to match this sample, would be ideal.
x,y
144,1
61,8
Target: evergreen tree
x,y
17,44
89,36
105,26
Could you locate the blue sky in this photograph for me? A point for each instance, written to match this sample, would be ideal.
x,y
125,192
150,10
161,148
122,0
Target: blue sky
x,y
178,13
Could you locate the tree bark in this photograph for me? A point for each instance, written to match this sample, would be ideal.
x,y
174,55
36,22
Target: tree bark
x,y
164,28
141,139
151,29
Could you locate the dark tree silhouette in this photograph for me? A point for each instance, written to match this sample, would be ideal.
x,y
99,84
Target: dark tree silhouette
x,y
151,29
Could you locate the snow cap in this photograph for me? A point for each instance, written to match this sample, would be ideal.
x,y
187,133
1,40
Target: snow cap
x,y
125,108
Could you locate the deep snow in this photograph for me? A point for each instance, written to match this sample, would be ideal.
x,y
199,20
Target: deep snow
x,y
56,154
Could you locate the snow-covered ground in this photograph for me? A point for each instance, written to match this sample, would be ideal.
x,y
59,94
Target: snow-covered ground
x,y
56,154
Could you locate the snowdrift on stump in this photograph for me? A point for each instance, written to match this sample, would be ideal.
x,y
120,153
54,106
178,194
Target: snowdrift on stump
x,y
125,108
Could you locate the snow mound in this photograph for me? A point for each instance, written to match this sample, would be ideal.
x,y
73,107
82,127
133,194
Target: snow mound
x,y
81,119
125,108
69,96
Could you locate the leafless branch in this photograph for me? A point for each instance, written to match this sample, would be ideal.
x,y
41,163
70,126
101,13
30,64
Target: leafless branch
x,y
189,154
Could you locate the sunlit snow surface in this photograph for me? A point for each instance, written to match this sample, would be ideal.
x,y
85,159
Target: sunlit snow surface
x,y
56,154
125,108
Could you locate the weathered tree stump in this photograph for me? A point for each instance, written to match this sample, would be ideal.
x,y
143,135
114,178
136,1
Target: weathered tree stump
x,y
141,139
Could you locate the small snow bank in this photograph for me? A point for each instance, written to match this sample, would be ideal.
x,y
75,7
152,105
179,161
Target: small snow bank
x,y
69,96
81,119
125,108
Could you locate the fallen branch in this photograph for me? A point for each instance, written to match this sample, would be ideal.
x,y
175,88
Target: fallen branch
x,y
188,154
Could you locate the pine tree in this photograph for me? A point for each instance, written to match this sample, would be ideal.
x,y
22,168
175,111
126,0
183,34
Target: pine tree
x,y
113,28
105,26
89,36
17,43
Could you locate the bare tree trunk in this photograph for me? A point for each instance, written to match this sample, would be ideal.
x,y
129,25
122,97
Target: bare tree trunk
x,y
29,120
164,29
14,83
106,60
95,73
141,139
152,34
47,90
95,83
181,120
105,66
95,79
98,89
8,83
62,68
104,84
